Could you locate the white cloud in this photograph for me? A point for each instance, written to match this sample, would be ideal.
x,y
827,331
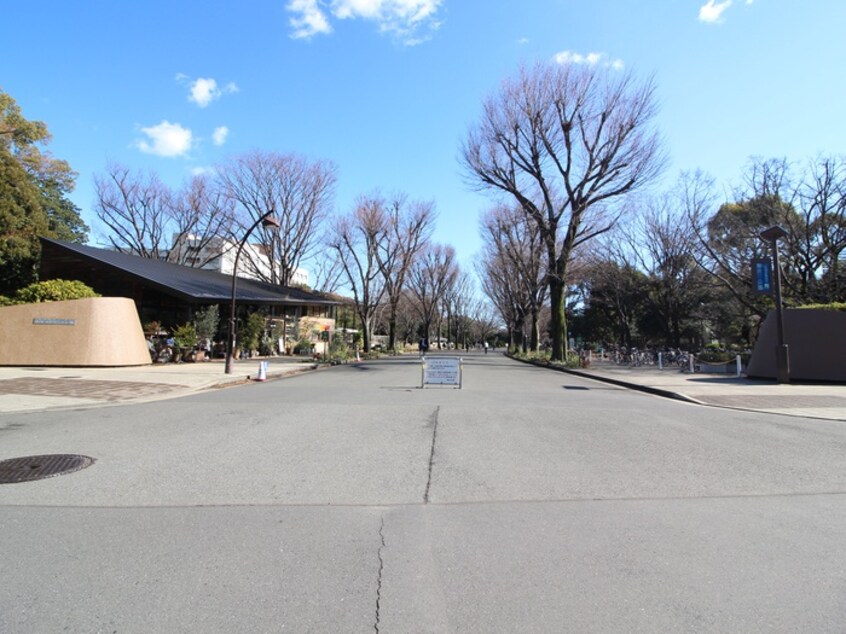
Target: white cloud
x,y
204,90
409,21
219,135
166,139
591,59
712,11
310,20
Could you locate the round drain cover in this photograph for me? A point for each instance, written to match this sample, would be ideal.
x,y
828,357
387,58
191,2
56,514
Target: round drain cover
x,y
39,467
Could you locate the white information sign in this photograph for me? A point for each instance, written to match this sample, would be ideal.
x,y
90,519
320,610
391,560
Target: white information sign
x,y
442,371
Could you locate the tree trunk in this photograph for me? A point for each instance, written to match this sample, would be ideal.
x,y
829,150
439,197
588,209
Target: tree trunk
x,y
535,336
392,332
558,323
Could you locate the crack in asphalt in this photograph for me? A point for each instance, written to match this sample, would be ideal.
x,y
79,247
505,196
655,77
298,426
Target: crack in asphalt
x,y
379,576
432,453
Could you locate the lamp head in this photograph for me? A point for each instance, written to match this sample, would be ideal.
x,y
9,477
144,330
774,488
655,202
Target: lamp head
x,y
773,233
269,220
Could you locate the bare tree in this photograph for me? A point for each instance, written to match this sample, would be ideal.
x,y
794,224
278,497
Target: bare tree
x,y
136,209
429,277
662,244
408,228
201,216
566,142
500,283
327,271
456,302
299,192
820,234
516,239
356,238
146,218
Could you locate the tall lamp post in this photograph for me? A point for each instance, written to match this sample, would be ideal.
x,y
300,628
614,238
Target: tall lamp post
x,y
266,220
782,354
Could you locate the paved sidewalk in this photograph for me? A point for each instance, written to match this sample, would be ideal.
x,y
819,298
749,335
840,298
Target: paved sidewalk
x,y
812,400
41,388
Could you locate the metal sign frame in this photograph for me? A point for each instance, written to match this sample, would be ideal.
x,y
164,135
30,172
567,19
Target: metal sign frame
x,y
442,371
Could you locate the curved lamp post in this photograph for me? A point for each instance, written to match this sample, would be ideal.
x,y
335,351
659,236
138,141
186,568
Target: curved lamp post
x,y
266,220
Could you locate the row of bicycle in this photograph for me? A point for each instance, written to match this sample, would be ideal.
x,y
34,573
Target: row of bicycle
x,y
635,357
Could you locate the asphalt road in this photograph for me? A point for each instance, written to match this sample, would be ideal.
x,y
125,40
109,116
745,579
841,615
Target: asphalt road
x,y
352,500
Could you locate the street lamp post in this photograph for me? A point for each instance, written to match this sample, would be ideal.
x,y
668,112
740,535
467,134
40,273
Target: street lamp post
x,y
266,220
782,353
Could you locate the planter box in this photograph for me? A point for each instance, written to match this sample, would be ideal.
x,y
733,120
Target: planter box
x,y
729,367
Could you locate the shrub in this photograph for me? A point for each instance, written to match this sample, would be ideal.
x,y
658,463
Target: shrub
x,y
206,321
831,306
251,332
53,291
185,337
338,349
303,346
713,353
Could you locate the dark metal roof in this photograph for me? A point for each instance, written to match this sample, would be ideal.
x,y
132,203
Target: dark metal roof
x,y
196,285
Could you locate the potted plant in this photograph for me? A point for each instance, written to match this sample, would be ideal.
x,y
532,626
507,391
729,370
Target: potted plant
x,y
185,340
206,322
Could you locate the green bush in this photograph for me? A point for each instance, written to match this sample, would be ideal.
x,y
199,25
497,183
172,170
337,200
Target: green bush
x,y
303,346
53,291
572,359
832,306
338,348
206,321
713,353
251,332
185,337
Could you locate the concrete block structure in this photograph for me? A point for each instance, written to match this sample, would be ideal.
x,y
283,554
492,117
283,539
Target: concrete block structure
x,y
97,331
816,340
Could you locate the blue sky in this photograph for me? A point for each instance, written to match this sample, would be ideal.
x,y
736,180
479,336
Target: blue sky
x,y
386,89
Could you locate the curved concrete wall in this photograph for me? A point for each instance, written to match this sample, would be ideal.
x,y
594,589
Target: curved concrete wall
x,y
97,331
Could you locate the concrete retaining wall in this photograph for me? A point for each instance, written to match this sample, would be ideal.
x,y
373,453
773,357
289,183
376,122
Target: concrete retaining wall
x,y
816,340
100,331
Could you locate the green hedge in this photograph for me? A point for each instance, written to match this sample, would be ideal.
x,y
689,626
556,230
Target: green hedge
x,y
50,291
832,306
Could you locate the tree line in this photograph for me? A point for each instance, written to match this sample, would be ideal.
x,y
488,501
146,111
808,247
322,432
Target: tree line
x,y
380,253
577,248
575,244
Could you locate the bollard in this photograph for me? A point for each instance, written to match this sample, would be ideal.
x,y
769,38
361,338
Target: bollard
x,y
690,362
660,360
262,371
738,366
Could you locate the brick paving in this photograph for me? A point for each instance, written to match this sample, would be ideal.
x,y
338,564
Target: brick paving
x,y
773,401
110,391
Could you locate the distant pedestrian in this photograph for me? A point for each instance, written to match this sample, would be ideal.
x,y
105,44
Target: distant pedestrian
x,y
486,347
423,346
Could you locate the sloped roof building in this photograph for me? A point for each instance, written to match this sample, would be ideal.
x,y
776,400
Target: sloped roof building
x,y
170,293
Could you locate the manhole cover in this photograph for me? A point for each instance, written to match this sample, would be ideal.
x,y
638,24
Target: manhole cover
x,y
40,467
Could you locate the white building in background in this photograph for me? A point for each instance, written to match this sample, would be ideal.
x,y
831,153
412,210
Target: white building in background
x,y
218,254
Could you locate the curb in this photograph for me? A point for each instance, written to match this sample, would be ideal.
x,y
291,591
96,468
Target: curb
x,y
271,376
656,391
